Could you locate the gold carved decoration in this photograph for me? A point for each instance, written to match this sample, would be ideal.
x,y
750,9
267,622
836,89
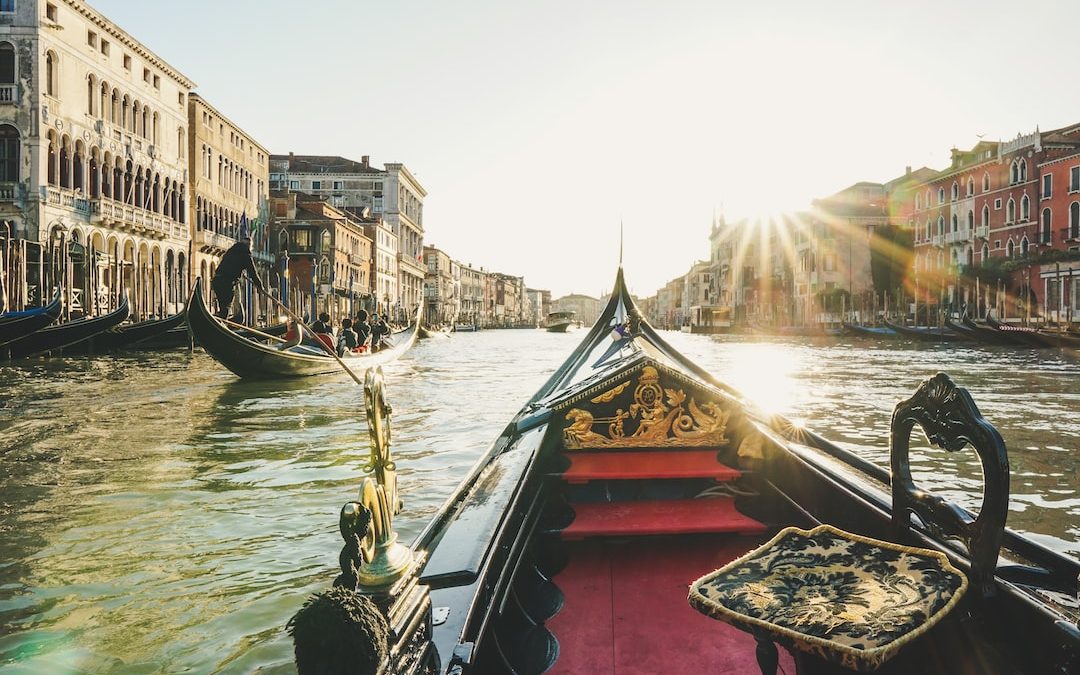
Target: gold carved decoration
x,y
663,418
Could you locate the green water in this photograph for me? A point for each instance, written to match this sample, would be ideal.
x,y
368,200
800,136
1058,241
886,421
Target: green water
x,y
159,516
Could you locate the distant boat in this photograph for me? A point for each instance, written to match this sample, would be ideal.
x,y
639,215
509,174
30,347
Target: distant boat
x,y
67,334
17,325
560,322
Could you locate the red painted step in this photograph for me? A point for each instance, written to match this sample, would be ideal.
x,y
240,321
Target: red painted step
x,y
586,466
672,516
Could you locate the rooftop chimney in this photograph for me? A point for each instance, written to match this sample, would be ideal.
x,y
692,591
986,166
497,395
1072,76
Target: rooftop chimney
x,y
907,170
364,161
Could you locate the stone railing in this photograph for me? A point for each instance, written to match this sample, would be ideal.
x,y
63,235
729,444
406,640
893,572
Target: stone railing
x,y
65,198
936,240
208,239
136,218
8,94
954,237
8,191
982,231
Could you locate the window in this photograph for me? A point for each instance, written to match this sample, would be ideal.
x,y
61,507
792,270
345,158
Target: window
x,y
997,204
1024,246
105,47
7,63
997,243
1074,220
1074,179
7,5
986,216
941,225
324,245
1047,185
985,252
294,185
316,185
157,82
127,61
970,186
1044,235
50,12
1025,208
941,195
955,192
91,38
971,220
1010,249
146,75
9,154
1010,211
986,182
338,185
302,240
917,203
50,74
1023,170
180,98
955,224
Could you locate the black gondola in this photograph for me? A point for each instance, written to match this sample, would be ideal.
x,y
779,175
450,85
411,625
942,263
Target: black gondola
x,y
57,337
17,325
570,546
248,358
927,334
1035,337
994,336
127,336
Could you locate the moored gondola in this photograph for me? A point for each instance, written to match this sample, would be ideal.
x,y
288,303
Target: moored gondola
x,y
17,325
248,358
632,476
927,333
129,336
987,334
1034,337
70,333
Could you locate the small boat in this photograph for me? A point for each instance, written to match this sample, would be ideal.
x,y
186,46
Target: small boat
x,y
560,322
877,332
927,333
17,325
466,327
990,335
251,359
633,476
71,333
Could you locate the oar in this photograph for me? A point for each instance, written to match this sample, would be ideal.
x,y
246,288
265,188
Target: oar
x,y
332,352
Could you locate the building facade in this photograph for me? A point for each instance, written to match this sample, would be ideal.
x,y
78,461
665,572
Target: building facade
x,y
472,282
442,287
93,173
229,182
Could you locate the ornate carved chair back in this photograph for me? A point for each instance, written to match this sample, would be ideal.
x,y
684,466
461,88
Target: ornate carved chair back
x,y
950,419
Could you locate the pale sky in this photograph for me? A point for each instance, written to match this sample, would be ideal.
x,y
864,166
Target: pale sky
x,y
537,127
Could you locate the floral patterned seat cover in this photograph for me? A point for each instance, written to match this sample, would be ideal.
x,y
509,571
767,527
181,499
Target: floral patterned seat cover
x,y
848,599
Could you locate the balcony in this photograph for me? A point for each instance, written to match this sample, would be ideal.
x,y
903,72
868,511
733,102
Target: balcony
x,y
65,198
358,288
356,259
209,241
955,237
8,94
982,232
1070,233
8,192
936,240
139,221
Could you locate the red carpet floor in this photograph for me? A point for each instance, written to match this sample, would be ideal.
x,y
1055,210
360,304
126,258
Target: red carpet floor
x,y
626,611
665,516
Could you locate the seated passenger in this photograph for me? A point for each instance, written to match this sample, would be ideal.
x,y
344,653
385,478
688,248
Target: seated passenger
x,y
363,330
292,336
347,341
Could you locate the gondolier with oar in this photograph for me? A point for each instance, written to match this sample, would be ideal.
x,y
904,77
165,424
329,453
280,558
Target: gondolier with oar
x,y
235,262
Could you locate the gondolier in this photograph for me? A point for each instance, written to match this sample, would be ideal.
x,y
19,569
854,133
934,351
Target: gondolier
x,y
235,262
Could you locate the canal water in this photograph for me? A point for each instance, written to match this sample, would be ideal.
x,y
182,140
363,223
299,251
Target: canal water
x,y
159,516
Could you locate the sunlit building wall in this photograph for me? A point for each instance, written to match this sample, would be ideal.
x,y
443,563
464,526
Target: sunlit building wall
x,y
93,127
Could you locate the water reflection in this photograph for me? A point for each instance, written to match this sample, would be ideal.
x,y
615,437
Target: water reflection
x,y
159,515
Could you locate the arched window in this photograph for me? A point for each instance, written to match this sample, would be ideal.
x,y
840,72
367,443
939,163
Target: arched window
x,y
154,132
1074,220
1024,246
1014,173
986,182
91,94
955,224
1025,208
986,216
50,73
970,186
283,241
1009,248
9,154
324,271
324,245
969,259
1010,211
1023,170
181,143
918,202
941,195
929,228
1045,235
7,63
971,220
941,225
955,191
985,253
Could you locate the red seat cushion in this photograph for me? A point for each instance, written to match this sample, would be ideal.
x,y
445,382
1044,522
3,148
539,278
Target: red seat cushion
x,y
670,516
586,466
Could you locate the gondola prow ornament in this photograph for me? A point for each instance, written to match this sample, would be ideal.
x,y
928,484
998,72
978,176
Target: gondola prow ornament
x,y
376,600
